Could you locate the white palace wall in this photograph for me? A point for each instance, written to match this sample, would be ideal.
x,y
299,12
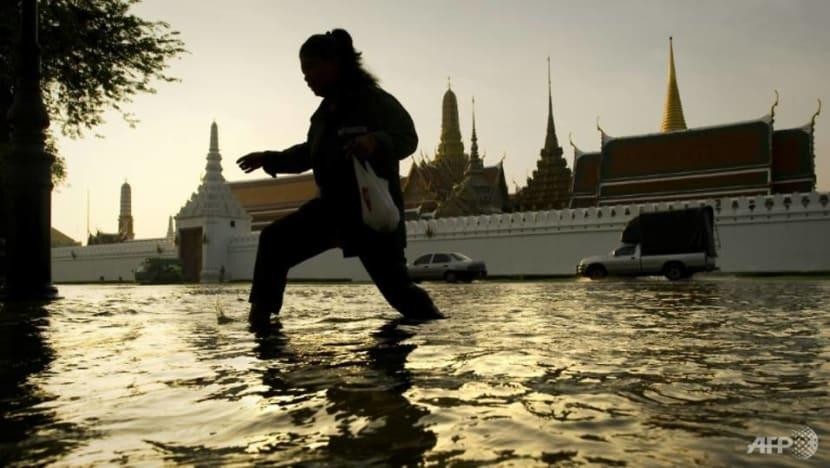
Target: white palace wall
x,y
106,262
761,234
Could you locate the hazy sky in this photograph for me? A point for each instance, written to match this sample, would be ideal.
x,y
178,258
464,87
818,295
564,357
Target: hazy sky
x,y
608,59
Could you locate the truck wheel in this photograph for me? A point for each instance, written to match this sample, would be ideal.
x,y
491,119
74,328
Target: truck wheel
x,y
450,277
674,271
596,272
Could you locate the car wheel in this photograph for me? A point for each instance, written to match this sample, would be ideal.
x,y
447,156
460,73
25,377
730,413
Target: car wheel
x,y
451,277
674,271
596,272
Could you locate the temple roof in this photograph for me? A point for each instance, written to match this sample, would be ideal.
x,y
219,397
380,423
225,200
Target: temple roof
x,y
740,144
673,119
586,173
213,197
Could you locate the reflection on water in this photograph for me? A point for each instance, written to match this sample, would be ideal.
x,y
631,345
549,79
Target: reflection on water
x,y
616,372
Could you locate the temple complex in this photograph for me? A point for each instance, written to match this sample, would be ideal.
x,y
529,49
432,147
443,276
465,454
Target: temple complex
x,y
453,183
550,185
480,191
680,163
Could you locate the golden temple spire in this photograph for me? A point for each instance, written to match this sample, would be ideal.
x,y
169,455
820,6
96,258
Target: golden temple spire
x,y
673,119
450,143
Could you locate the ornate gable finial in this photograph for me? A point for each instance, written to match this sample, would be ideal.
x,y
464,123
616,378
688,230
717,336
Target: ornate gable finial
x,y
774,104
603,136
818,112
577,151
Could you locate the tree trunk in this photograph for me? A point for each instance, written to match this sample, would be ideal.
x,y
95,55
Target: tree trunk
x,y
5,102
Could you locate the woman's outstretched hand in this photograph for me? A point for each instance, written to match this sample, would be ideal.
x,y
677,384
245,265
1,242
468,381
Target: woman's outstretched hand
x,y
361,147
251,161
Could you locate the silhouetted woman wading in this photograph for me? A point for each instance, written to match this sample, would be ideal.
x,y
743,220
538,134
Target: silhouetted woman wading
x,y
356,118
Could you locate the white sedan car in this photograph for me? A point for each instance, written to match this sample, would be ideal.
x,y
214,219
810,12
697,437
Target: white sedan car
x,y
447,266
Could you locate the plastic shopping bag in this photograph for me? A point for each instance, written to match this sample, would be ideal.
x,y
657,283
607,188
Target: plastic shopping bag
x,y
379,210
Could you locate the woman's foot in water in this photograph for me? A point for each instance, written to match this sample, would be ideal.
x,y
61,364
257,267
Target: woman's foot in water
x,y
259,317
424,314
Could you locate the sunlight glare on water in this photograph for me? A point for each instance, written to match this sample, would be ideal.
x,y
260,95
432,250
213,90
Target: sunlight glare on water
x,y
632,372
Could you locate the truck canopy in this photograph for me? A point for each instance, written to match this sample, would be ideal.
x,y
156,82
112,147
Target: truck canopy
x,y
673,232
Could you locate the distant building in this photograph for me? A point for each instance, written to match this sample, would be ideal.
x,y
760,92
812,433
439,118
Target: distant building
x,y
60,239
734,159
125,219
125,222
550,185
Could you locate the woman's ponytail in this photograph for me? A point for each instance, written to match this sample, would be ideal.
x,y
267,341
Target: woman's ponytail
x,y
337,44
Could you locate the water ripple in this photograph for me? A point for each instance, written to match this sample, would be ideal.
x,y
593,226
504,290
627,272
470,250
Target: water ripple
x,y
613,373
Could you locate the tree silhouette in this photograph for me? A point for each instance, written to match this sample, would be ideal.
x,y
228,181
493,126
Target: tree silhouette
x,y
97,56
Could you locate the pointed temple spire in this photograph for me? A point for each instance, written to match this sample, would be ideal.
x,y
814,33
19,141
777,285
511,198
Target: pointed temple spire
x,y
450,131
673,119
474,144
451,148
213,197
548,186
214,137
213,169
551,142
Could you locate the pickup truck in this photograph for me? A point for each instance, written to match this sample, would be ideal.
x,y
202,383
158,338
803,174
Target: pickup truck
x,y
676,244
627,260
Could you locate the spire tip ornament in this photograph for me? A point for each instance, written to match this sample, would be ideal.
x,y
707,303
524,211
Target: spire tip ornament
x,y
673,118
818,112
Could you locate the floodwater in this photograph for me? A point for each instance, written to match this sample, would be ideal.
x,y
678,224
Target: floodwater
x,y
572,372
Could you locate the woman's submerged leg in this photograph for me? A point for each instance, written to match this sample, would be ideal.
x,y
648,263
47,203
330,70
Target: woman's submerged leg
x,y
282,244
388,271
